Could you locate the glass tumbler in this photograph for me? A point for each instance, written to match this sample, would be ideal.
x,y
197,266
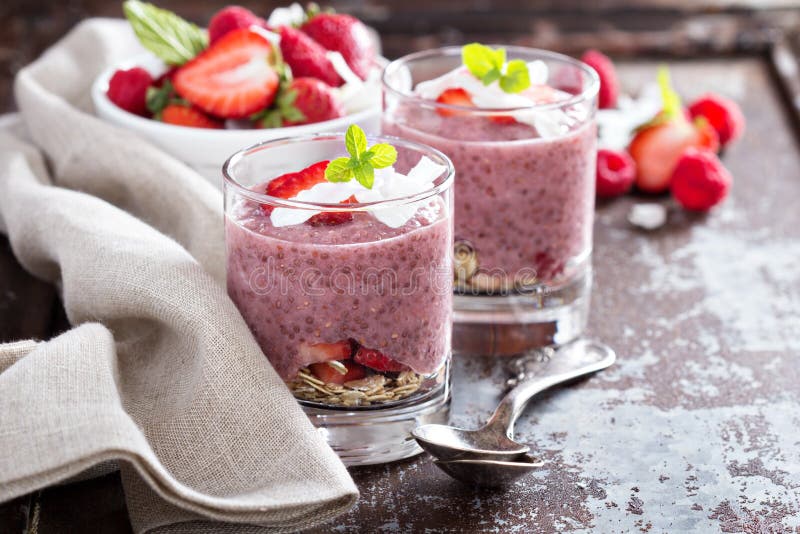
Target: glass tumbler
x,y
524,197
354,315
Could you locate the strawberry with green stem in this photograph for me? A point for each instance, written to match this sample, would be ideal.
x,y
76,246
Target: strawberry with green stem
x,y
302,101
658,144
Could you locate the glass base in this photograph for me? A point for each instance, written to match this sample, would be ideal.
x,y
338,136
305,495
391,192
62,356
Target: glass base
x,y
513,324
372,435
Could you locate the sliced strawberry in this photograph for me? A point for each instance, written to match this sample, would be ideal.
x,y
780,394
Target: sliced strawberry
x,y
181,115
346,35
306,57
656,150
233,78
332,218
331,375
378,361
232,18
324,352
290,184
454,97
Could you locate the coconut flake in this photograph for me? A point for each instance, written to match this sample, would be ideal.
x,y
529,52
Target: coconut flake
x,y
548,123
616,126
649,215
389,184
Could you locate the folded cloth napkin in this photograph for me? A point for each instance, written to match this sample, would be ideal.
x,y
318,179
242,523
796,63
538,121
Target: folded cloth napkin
x,y
160,372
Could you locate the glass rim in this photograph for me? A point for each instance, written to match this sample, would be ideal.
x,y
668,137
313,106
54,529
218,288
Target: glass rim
x,y
590,91
440,184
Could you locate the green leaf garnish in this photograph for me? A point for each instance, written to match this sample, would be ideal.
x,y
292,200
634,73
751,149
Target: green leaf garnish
x,y
517,77
670,99
362,162
168,36
489,66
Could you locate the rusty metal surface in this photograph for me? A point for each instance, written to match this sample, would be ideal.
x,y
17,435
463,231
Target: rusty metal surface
x,y
697,428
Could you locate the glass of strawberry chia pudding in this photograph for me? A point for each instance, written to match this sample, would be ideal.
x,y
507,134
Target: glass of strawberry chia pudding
x,y
524,195
353,306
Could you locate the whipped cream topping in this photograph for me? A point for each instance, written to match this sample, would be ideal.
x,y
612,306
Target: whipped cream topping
x,y
616,126
287,16
389,184
548,123
356,94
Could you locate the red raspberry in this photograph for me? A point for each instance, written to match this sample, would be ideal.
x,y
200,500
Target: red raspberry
x,y
232,18
700,181
609,86
128,89
722,113
616,172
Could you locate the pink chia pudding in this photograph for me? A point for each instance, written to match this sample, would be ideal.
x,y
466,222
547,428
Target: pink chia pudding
x,y
305,290
521,200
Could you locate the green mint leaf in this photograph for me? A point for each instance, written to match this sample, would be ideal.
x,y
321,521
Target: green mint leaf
x,y
339,170
517,77
481,60
365,175
491,76
381,155
672,102
165,34
158,97
355,141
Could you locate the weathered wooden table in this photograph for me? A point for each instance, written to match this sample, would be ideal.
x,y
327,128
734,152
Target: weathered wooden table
x,y
695,429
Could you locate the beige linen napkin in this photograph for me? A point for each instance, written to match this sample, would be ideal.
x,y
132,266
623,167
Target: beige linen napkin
x,y
161,373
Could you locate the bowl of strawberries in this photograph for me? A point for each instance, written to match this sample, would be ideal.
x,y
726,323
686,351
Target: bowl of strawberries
x,y
201,95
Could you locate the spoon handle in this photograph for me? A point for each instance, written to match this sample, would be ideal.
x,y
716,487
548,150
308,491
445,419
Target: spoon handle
x,y
579,358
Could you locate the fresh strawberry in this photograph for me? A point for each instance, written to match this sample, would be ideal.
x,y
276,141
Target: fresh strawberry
x,y
331,375
609,86
700,181
290,184
722,113
657,146
332,218
306,57
128,89
303,101
325,352
232,18
233,78
346,35
181,115
454,97
616,173
378,361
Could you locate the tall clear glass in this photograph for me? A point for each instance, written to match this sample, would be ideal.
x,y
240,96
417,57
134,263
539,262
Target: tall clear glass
x,y
524,197
355,316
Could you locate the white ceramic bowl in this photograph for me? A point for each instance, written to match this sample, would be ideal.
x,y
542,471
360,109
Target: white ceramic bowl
x,y
204,149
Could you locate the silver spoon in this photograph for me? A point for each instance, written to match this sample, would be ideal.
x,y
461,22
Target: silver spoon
x,y
493,441
489,473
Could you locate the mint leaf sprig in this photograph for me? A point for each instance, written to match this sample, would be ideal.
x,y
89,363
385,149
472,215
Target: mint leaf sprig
x,y
489,65
362,162
171,38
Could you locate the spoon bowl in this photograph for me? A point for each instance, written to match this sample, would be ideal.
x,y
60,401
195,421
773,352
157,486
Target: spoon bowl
x,y
489,473
489,455
450,443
